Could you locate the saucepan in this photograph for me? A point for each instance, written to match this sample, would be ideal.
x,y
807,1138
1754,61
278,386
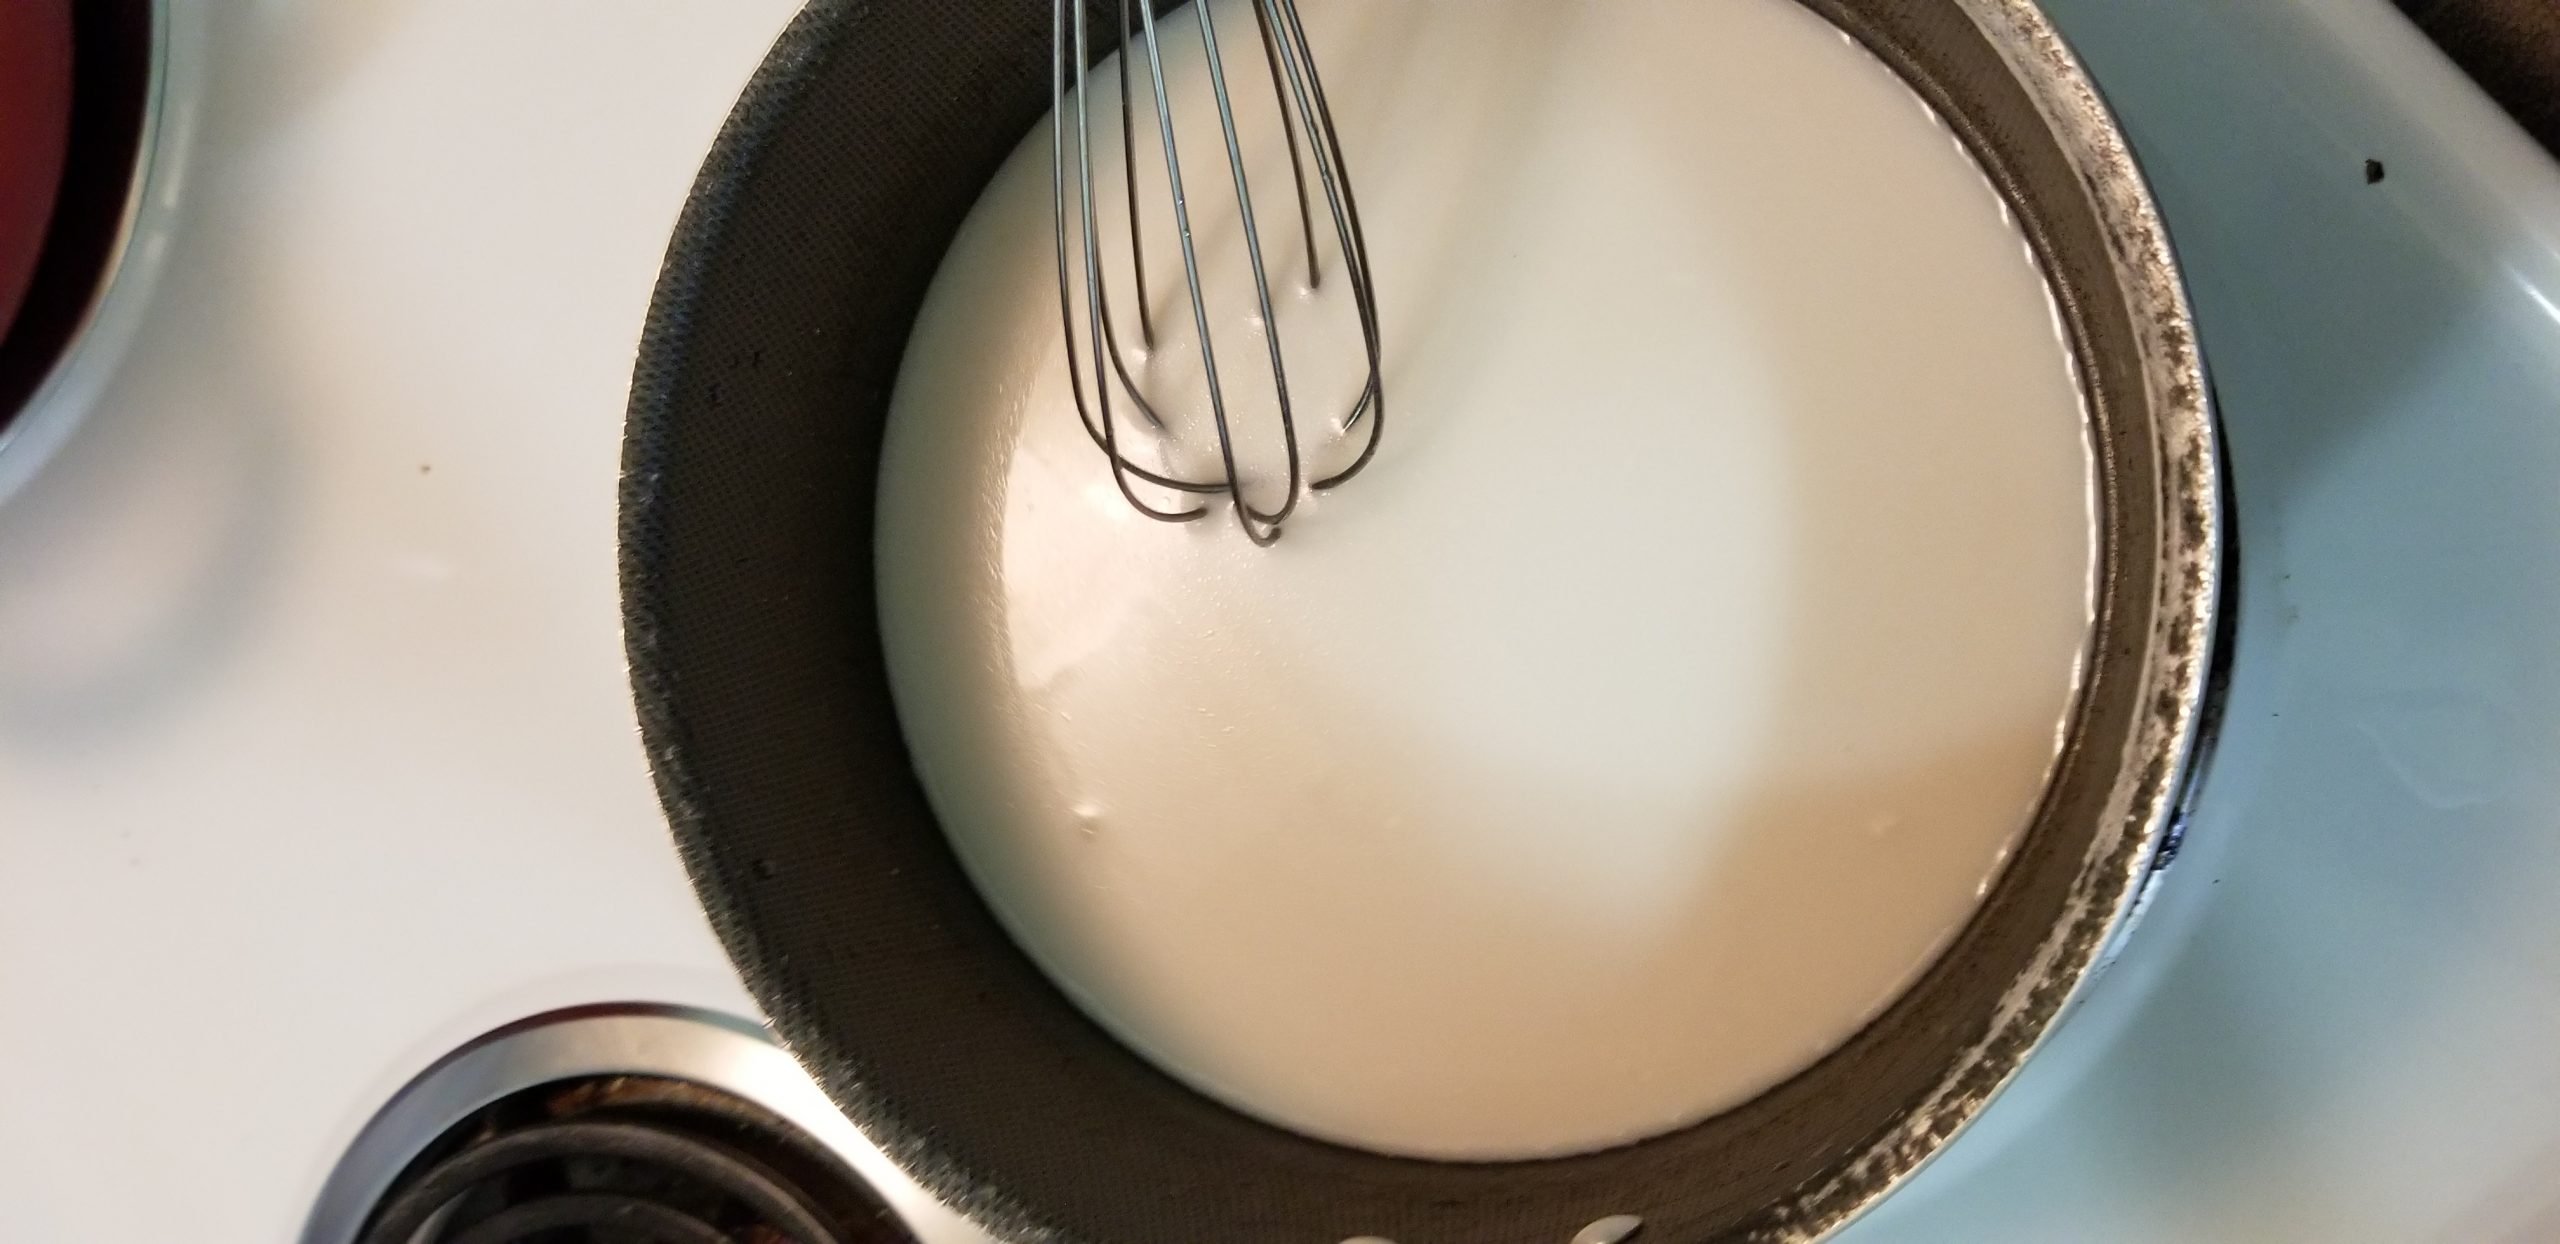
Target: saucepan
x,y
748,585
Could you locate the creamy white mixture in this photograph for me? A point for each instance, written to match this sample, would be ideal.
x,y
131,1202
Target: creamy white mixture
x,y
1658,704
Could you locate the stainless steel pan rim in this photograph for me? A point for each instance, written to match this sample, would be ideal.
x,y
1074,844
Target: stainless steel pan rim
x,y
2176,677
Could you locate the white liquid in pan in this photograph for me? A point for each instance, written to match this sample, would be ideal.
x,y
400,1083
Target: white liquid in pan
x,y
1665,695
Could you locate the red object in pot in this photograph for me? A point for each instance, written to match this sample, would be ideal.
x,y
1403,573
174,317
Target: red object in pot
x,y
35,128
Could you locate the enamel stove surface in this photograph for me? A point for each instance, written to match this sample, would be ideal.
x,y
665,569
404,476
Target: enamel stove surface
x,y
316,758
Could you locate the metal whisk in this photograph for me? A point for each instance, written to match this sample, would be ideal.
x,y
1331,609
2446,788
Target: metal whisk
x,y
1303,109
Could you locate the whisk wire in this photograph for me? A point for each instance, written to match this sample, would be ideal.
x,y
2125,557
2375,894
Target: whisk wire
x,y
1191,269
1299,95
1262,23
1129,171
1261,293
1105,433
1335,173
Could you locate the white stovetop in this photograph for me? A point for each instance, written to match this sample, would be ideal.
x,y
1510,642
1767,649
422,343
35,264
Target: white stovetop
x,y
316,757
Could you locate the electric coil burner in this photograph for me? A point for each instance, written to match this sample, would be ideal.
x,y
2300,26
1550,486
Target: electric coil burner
x,y
638,1125
632,1158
